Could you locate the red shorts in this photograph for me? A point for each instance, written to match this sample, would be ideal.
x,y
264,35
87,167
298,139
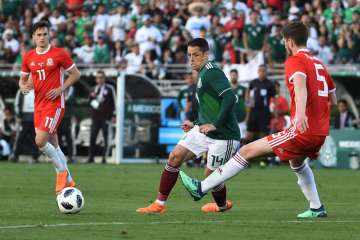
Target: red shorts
x,y
290,144
48,120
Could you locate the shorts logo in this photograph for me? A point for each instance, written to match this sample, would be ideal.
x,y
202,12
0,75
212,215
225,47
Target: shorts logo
x,y
50,62
220,170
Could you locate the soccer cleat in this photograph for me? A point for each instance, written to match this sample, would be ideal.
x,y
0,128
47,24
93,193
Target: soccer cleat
x,y
192,185
152,208
61,181
213,207
313,213
70,184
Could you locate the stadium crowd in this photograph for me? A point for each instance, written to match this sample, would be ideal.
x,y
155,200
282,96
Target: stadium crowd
x,y
134,34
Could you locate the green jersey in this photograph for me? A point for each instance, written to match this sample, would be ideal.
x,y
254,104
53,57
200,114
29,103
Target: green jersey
x,y
255,36
240,108
277,47
212,84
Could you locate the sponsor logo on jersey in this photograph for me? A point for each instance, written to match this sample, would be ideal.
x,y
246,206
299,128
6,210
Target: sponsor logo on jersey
x,y
50,62
32,64
41,64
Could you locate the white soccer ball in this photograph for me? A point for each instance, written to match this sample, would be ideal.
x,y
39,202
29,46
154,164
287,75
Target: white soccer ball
x,y
70,200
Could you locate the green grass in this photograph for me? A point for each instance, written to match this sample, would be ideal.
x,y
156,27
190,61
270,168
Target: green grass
x,y
266,202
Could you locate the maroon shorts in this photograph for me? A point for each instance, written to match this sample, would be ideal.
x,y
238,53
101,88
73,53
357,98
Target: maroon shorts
x,y
290,144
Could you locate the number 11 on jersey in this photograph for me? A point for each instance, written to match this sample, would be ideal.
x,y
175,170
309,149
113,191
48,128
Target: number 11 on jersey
x,y
41,73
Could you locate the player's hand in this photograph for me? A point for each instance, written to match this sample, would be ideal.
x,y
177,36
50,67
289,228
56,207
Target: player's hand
x,y
187,125
301,123
54,93
207,128
25,89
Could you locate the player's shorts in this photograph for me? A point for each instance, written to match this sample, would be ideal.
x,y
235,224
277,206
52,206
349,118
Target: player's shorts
x,y
219,151
290,144
258,121
48,120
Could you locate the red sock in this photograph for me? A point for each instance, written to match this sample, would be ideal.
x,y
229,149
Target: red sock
x,y
219,195
167,182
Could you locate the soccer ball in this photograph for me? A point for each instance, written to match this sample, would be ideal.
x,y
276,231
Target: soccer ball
x,y
70,200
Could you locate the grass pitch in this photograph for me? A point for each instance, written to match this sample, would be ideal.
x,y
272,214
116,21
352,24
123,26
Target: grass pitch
x,y
266,202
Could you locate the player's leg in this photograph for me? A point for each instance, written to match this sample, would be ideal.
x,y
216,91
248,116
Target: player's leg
x,y
191,145
94,131
54,140
105,131
234,166
306,182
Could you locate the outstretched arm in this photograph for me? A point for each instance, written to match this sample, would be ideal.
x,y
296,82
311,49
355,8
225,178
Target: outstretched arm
x,y
301,120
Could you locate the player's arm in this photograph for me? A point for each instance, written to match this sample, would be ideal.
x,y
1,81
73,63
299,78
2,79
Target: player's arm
x,y
301,121
25,83
74,75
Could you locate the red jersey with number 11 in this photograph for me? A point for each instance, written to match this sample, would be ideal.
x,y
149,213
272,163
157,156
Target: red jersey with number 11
x,y
319,84
47,73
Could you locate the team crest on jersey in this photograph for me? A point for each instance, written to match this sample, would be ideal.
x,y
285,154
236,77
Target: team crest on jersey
x,y
199,84
50,62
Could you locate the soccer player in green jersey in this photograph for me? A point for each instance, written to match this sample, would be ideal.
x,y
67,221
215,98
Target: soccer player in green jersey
x,y
215,131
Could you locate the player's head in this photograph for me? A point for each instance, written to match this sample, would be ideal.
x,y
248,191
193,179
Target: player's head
x,y
234,75
342,105
295,36
100,77
198,53
262,72
40,34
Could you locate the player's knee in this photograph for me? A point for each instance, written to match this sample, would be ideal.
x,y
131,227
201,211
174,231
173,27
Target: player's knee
x,y
175,159
40,141
245,151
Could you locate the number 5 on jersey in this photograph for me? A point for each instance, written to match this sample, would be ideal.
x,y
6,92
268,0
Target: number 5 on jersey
x,y
41,73
321,78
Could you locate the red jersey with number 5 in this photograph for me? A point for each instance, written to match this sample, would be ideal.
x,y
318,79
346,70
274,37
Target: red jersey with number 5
x,y
47,73
319,84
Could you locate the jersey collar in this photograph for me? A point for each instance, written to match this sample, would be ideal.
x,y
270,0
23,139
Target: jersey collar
x,y
40,53
302,50
203,66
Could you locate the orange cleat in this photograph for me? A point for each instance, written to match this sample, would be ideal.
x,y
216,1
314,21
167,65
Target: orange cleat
x,y
61,181
213,207
152,208
70,184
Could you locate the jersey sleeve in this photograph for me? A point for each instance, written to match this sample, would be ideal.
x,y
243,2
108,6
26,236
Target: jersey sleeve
x,y
66,61
330,82
24,66
217,81
293,66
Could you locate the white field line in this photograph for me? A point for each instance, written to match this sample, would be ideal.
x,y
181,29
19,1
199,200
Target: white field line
x,y
173,222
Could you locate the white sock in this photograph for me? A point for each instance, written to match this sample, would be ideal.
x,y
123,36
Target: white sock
x,y
51,153
64,162
235,165
306,181
162,203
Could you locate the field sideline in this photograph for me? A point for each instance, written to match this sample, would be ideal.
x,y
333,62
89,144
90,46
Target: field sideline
x,y
266,202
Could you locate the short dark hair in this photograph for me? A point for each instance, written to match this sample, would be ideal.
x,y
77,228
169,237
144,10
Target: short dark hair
x,y
40,24
100,72
234,70
297,31
343,101
199,42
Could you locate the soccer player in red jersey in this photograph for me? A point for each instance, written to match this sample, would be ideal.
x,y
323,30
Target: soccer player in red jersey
x,y
43,69
312,90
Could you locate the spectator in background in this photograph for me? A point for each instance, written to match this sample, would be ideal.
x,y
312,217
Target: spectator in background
x,y
83,24
65,128
102,52
86,53
258,97
211,42
345,44
134,59
255,36
118,52
237,5
324,53
101,20
240,107
279,107
198,19
56,19
118,24
150,65
10,42
148,37
237,21
344,118
276,52
24,111
102,102
8,128
177,36
187,97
